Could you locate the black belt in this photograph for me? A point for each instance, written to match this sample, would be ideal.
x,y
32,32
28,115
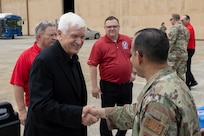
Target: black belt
x,y
116,83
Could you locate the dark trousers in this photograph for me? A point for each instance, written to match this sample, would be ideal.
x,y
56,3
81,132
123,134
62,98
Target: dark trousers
x,y
189,76
114,94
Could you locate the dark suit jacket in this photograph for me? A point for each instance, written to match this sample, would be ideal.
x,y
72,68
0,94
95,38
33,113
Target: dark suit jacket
x,y
55,107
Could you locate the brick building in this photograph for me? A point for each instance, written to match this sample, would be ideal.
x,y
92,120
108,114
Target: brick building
x,y
133,14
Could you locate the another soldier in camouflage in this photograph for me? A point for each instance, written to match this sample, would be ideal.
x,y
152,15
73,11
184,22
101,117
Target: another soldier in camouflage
x,y
165,105
178,41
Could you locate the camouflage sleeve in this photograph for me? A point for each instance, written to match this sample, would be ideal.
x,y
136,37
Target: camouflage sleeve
x,y
172,35
158,119
187,34
121,117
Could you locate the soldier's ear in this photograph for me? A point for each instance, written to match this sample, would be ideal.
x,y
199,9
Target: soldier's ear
x,y
139,57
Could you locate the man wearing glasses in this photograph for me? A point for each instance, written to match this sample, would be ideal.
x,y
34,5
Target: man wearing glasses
x,y
178,40
112,54
45,35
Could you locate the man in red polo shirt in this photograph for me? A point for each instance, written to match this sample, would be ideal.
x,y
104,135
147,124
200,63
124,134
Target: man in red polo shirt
x,y
45,35
112,54
190,80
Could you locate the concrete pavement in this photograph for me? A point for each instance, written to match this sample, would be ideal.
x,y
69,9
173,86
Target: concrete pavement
x,y
11,49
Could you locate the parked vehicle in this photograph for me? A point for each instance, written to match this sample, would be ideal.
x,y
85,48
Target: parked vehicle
x,y
92,34
10,25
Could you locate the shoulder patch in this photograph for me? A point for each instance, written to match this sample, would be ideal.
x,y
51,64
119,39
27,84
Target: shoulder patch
x,y
153,125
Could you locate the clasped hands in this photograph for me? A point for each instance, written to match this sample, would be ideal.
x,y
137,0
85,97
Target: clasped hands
x,y
91,115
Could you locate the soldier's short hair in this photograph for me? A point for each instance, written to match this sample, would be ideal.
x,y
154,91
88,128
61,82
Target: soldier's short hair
x,y
153,44
176,17
187,17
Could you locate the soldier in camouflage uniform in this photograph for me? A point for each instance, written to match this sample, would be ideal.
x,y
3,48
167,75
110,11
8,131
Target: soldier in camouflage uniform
x,y
165,105
163,27
178,41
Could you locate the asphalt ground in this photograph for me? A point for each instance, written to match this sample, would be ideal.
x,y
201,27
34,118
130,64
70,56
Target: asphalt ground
x,y
11,49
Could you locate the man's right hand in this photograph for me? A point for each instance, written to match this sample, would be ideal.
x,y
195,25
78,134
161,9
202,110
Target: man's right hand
x,y
87,118
22,116
96,92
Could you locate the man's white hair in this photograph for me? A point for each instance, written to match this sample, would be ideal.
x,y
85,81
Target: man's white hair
x,y
69,20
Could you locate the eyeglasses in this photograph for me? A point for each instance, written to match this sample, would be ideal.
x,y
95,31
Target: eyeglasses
x,y
114,27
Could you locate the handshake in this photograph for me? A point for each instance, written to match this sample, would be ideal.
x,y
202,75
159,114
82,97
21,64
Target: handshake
x,y
91,115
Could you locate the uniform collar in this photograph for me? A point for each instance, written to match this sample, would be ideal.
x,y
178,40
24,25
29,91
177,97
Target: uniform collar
x,y
153,79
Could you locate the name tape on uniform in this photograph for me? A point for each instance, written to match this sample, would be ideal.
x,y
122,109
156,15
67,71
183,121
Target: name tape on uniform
x,y
153,125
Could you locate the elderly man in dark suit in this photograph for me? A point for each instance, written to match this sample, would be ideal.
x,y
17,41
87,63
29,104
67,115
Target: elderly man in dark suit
x,y
58,95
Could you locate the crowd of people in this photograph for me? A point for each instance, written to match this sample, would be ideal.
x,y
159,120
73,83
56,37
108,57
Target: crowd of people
x,y
50,89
